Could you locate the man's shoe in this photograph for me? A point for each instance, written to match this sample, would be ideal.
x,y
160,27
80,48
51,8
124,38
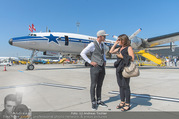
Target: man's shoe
x,y
102,104
94,106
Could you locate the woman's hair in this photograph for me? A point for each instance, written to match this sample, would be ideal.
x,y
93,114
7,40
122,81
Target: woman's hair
x,y
124,40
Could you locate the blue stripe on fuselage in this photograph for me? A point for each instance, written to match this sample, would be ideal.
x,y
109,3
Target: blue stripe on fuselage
x,y
28,38
37,38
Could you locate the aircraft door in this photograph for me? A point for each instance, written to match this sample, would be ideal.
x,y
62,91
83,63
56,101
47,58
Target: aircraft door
x,y
172,46
66,41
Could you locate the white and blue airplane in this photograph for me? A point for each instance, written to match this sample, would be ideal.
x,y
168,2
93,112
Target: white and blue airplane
x,y
72,44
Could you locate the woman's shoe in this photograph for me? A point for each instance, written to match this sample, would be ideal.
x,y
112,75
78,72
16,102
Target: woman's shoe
x,y
120,105
125,108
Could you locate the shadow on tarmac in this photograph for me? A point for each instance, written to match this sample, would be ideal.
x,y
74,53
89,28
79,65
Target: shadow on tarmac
x,y
134,101
140,101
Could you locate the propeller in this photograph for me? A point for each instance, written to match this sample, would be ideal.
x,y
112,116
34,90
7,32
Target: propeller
x,y
132,36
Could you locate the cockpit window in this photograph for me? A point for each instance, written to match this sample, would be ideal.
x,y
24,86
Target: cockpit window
x,y
31,34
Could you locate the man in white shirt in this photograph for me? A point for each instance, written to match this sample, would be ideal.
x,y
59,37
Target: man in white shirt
x,y
97,69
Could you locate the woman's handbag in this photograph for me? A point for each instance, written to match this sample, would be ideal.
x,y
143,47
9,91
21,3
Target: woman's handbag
x,y
116,63
130,71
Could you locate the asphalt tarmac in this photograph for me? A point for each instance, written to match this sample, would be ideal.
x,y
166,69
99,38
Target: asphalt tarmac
x,y
58,87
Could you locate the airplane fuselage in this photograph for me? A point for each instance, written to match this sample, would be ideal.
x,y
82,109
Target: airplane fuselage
x,y
56,41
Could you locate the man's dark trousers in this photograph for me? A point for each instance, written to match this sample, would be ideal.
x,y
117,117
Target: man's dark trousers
x,y
97,76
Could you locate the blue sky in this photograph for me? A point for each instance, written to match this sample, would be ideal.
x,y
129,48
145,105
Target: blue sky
x,y
155,17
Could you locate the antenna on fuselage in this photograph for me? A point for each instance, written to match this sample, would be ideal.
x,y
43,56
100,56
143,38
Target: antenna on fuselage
x,y
46,29
78,25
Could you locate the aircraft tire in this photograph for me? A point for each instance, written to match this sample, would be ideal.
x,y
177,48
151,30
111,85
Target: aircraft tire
x,y
30,67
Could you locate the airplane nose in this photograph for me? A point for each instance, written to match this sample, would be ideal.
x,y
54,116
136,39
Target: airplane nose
x,y
11,41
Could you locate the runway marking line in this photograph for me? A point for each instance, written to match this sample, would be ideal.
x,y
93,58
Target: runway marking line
x,y
21,71
45,84
149,96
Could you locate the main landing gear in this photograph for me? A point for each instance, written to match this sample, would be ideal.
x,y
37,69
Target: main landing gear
x,y
31,66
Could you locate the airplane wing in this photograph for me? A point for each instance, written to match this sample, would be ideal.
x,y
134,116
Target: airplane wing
x,y
154,41
162,47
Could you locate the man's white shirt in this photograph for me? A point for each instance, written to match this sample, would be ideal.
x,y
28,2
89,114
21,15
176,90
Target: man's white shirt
x,y
90,48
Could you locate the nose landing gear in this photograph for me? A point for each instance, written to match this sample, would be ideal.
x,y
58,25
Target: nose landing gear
x,y
31,66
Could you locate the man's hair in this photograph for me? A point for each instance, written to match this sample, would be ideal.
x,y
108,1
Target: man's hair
x,y
124,39
10,97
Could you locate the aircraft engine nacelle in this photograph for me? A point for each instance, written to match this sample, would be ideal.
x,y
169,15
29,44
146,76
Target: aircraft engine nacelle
x,y
50,53
136,42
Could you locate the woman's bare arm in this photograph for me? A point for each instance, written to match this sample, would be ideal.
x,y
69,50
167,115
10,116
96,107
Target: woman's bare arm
x,y
113,50
131,52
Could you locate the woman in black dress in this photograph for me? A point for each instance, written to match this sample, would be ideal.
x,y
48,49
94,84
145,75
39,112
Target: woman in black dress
x,y
125,55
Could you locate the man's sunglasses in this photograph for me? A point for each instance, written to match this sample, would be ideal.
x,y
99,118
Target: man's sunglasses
x,y
104,36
